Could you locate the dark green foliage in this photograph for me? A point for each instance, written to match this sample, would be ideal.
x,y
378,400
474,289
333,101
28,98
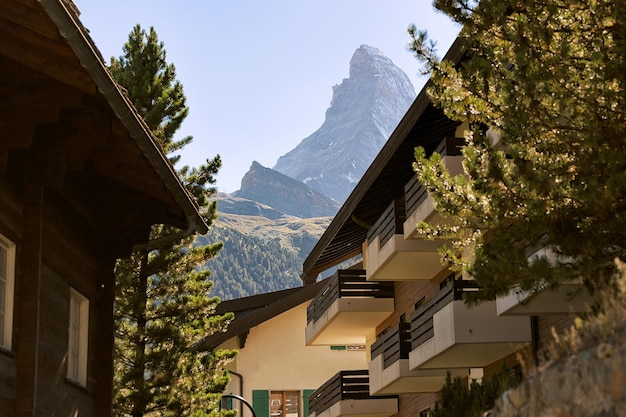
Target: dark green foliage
x,y
249,265
163,305
458,399
541,89
152,87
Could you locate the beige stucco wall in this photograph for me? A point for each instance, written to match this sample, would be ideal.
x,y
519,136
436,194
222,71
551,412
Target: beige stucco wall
x,y
275,358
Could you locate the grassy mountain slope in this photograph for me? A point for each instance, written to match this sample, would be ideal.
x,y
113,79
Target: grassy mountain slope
x,y
260,254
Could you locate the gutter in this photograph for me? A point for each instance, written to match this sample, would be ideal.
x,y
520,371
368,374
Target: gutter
x,y
73,32
238,375
168,239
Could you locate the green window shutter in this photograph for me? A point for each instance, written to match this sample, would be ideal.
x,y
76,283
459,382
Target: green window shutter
x,y
305,400
228,403
261,402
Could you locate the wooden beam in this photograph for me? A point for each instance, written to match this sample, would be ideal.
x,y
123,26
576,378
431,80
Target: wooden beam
x,y
51,57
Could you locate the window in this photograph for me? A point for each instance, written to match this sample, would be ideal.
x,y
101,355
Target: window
x,y
281,403
284,403
7,283
77,341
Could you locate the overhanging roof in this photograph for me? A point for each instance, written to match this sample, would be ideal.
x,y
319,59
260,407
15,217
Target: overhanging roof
x,y
423,125
65,18
254,310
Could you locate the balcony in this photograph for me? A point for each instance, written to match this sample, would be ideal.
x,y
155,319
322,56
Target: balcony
x,y
568,297
419,205
446,333
389,368
390,256
348,394
348,309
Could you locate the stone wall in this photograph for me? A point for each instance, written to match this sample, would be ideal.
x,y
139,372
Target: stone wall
x,y
590,382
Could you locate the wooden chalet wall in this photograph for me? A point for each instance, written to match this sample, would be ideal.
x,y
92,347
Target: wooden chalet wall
x,y
55,251
81,182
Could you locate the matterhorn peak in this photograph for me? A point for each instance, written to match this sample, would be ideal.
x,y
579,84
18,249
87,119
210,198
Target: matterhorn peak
x,y
364,110
369,61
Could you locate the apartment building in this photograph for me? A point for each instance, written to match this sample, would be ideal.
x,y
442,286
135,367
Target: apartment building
x,y
400,301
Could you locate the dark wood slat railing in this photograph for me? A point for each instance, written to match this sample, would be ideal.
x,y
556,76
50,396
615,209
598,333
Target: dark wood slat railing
x,y
450,146
414,192
346,283
345,385
389,223
422,318
394,344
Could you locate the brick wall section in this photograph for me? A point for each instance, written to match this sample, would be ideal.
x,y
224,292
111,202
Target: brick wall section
x,y
407,293
560,322
412,404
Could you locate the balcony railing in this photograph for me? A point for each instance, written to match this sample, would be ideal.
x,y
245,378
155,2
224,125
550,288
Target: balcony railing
x,y
393,345
414,192
422,318
345,385
447,333
347,283
389,223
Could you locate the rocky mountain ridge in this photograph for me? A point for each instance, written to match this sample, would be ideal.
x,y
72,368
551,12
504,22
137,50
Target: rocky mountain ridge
x,y
285,194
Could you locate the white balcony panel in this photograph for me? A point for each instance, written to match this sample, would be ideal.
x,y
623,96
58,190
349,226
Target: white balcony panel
x,y
470,337
399,259
372,407
567,298
348,321
397,378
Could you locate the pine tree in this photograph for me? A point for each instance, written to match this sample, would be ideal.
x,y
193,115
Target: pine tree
x,y
542,86
458,398
162,305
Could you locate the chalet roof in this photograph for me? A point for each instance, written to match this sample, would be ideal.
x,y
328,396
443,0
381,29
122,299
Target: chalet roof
x,y
61,12
59,100
423,125
254,310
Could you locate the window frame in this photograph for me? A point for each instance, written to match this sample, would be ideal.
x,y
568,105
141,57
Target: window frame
x,y
6,316
78,336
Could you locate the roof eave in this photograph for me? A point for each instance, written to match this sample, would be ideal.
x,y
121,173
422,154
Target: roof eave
x,y
74,33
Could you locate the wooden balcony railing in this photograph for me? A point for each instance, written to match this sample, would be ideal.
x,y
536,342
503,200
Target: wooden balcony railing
x,y
346,283
343,386
346,385
389,223
394,344
422,317
414,192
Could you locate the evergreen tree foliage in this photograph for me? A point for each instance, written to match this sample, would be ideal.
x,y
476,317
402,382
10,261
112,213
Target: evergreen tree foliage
x,y
163,304
460,399
249,265
542,86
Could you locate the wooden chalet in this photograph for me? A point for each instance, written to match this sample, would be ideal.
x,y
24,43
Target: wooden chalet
x,y
81,182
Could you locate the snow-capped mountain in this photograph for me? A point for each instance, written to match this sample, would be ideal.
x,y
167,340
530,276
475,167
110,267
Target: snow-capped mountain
x,y
364,111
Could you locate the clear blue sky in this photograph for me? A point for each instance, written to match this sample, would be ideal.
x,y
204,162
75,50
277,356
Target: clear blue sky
x,y
258,75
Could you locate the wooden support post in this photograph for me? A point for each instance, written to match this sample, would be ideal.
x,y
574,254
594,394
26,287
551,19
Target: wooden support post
x,y
29,302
